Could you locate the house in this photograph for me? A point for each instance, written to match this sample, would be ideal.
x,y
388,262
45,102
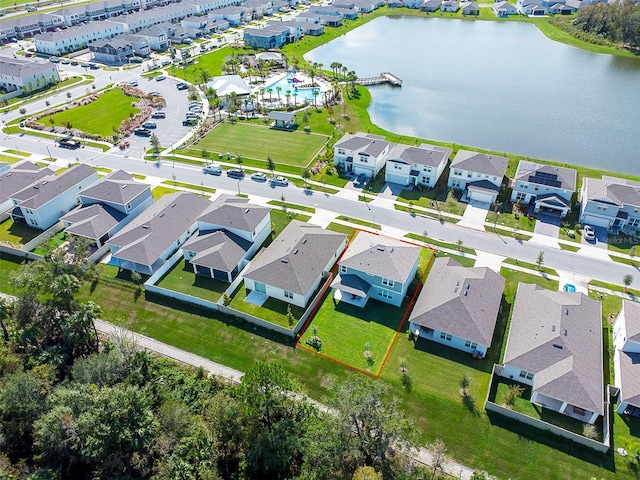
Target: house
x,y
115,50
292,268
449,6
555,346
429,5
225,85
230,231
75,38
531,8
503,9
469,8
157,233
282,120
18,178
458,306
548,187
107,206
479,175
422,165
375,267
626,359
18,76
41,204
231,14
611,202
271,36
156,37
560,9
361,153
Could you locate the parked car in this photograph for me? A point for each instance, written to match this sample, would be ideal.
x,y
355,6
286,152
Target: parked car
x,y
166,62
159,78
235,173
31,9
133,84
281,181
69,143
588,233
74,63
94,66
142,132
182,86
54,59
189,122
65,61
212,169
158,115
149,125
259,177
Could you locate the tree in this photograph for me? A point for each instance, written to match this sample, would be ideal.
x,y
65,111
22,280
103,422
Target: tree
x,y
367,473
627,280
437,450
155,143
306,175
465,382
515,391
290,318
459,243
271,165
540,260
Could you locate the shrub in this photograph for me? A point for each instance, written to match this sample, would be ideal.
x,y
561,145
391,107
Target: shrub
x,y
590,431
515,392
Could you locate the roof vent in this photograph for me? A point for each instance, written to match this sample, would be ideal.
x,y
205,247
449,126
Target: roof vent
x,y
566,311
162,215
553,328
146,227
295,251
381,249
465,293
246,211
468,285
564,332
8,174
173,205
124,186
458,283
455,290
284,260
304,241
558,345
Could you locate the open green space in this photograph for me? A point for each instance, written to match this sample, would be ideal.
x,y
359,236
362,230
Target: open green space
x,y
180,278
259,142
17,234
102,117
272,310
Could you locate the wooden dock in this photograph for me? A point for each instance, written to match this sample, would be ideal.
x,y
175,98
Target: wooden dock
x,y
385,77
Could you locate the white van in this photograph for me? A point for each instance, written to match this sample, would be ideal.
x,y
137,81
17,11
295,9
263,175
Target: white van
x,y
212,169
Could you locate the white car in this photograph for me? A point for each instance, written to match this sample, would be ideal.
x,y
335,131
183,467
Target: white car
x,y
588,233
212,169
282,181
259,177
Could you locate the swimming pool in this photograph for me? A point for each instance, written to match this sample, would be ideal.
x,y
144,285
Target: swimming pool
x,y
283,83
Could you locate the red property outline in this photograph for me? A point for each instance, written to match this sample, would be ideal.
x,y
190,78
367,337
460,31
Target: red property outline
x,y
402,322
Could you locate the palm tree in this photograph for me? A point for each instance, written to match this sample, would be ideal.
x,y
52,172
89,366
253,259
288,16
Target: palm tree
x,y
270,92
271,165
261,92
295,97
344,72
315,94
288,95
352,78
278,89
334,66
306,175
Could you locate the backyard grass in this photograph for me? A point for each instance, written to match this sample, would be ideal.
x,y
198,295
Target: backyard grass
x,y
197,188
258,142
101,117
293,206
17,234
160,191
52,242
182,279
272,310
357,221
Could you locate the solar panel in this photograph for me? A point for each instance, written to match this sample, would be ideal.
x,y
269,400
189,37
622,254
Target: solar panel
x,y
545,178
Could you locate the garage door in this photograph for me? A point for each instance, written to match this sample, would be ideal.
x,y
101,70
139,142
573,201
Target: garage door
x,y
595,221
395,178
481,196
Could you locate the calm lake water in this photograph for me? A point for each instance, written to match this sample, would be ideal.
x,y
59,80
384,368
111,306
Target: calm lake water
x,y
497,85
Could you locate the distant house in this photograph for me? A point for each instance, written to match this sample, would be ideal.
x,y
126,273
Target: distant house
x,y
503,9
107,206
449,6
282,120
17,178
361,153
375,267
274,35
113,50
550,188
531,8
18,76
612,203
157,233
458,306
230,231
626,359
555,345
41,204
422,165
469,8
294,265
225,85
560,9
430,5
479,175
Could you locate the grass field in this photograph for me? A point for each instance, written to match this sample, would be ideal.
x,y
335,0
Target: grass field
x,y
100,117
258,142
17,233
182,279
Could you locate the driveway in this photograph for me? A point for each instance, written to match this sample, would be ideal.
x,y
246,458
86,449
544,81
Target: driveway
x,y
601,238
475,215
391,190
548,225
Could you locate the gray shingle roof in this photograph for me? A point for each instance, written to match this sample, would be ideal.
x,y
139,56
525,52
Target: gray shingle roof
x,y
48,188
117,187
93,221
381,256
613,190
152,232
429,155
629,377
16,179
632,320
462,301
352,284
235,213
16,67
493,165
219,250
557,336
361,142
296,259
540,174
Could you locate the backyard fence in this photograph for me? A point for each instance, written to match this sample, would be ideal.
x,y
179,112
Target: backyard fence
x,y
30,245
19,253
98,254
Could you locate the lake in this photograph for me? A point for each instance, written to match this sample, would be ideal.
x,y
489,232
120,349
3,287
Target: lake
x,y
501,86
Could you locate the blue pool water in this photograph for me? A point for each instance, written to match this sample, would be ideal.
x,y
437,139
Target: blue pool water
x,y
283,83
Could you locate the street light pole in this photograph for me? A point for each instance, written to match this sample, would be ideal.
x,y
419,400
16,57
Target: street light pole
x,y
47,147
238,187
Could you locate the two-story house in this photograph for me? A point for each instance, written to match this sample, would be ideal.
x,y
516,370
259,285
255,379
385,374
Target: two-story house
x,y
550,188
375,266
361,153
41,204
555,346
15,179
612,203
479,175
107,206
626,359
230,231
458,306
422,165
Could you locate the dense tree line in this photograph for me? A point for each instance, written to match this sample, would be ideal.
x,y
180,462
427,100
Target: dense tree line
x,y
74,407
617,22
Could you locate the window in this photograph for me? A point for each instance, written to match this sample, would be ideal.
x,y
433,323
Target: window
x,y
385,294
364,159
579,411
536,188
478,175
387,282
33,222
457,171
288,294
341,151
526,375
396,166
521,197
603,208
446,336
343,269
469,174
470,344
633,222
128,205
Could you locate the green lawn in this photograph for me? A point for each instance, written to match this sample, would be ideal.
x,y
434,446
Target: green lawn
x,y
18,152
257,142
439,198
54,241
273,310
530,266
357,221
338,227
160,191
278,203
512,220
101,117
623,244
9,159
17,233
182,279
437,243
198,188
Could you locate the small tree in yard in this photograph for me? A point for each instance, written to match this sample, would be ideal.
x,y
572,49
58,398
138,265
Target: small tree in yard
x,y
155,143
465,382
306,175
627,280
136,278
271,165
367,353
540,260
515,391
226,299
290,318
590,431
459,243
22,111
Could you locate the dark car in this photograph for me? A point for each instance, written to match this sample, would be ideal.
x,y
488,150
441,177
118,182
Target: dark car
x,y
158,115
182,86
235,173
142,132
69,143
93,66
149,125
74,63
189,122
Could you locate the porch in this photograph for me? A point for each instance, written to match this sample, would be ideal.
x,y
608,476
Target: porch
x,y
565,408
351,289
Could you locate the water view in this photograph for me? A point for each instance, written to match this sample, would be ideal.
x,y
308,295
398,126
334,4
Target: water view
x,y
497,85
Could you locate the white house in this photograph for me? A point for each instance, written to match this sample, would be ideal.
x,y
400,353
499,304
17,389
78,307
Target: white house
x,y
41,204
23,76
292,268
479,175
361,153
550,188
75,38
626,359
423,165
612,203
17,178
375,266
555,346
458,306
449,6
503,9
